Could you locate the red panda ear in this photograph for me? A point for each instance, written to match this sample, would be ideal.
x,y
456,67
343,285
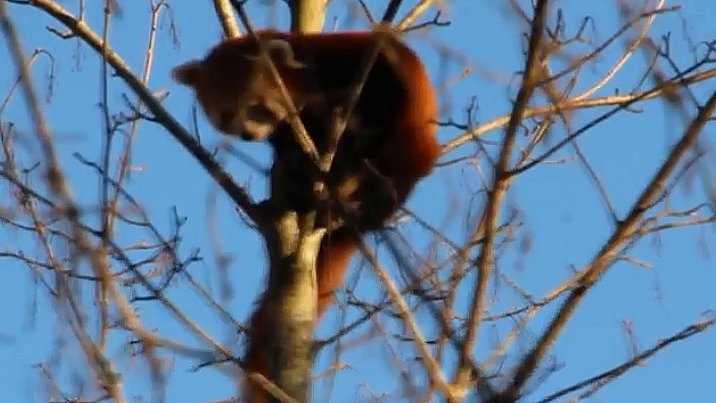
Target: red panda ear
x,y
188,73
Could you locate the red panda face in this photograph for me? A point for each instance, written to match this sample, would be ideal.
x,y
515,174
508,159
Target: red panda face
x,y
235,88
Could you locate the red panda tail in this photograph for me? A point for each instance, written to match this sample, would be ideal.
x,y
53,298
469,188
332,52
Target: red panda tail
x,y
334,256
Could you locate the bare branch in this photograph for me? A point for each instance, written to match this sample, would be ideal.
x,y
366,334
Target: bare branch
x,y
226,18
599,381
605,257
501,179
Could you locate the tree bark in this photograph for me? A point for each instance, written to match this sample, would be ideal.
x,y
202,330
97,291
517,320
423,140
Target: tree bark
x,y
293,244
307,15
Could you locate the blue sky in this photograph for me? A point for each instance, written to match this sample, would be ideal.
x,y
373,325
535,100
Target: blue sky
x,y
558,204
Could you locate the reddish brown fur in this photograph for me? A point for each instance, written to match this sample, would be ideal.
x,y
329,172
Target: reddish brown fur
x,y
389,143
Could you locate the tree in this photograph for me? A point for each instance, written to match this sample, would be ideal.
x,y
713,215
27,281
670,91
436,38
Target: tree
x,y
464,297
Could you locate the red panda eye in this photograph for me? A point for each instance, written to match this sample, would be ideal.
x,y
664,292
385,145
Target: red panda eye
x,y
260,113
225,119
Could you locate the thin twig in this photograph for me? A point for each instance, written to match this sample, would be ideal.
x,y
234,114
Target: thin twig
x,y
206,160
609,251
500,183
611,374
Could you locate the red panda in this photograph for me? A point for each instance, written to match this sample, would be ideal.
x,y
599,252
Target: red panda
x,y
389,142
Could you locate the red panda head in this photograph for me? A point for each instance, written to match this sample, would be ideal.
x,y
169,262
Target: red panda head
x,y
235,88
